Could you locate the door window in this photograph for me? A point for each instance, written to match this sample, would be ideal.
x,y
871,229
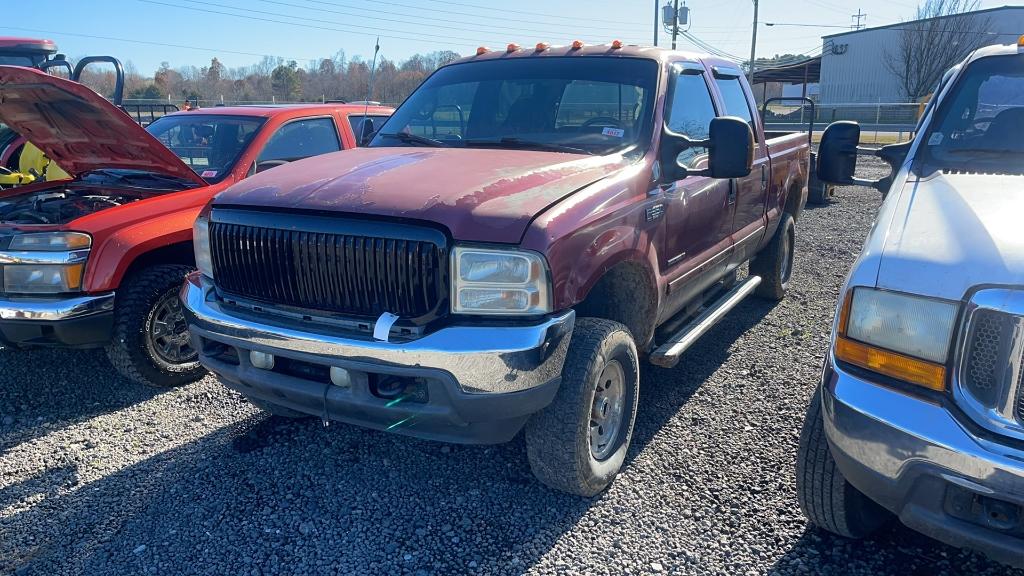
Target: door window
x,y
690,113
301,139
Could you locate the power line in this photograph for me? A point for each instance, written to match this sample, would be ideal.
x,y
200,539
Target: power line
x,y
422,37
400,21
504,17
504,10
149,42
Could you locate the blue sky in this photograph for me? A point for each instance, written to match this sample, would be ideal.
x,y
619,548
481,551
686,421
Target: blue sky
x,y
239,32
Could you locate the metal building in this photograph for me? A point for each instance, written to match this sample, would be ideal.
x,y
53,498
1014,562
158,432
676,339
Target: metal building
x,y
853,64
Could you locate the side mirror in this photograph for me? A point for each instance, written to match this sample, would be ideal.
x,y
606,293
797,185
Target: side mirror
x,y
837,153
730,147
365,132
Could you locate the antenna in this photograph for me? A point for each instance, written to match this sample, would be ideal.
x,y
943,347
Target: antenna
x,y
369,88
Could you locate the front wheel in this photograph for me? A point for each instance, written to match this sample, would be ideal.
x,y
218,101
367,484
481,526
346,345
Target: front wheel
x,y
578,443
151,344
826,497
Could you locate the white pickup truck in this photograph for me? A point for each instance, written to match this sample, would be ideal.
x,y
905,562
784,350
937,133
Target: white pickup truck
x,y
920,413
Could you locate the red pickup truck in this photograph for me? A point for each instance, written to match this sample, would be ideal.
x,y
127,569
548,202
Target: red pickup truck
x,y
524,230
96,261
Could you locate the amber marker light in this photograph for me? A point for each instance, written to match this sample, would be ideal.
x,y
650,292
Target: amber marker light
x,y
482,50
577,44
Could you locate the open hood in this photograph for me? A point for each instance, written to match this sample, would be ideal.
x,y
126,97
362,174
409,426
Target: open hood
x,y
78,129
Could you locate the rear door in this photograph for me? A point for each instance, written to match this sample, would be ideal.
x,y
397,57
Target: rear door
x,y
699,213
749,194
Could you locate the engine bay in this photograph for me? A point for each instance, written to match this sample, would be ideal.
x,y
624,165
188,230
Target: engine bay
x,y
62,205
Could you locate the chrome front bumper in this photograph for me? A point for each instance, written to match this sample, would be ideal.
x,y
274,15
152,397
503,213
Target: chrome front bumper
x,y
480,359
54,309
925,463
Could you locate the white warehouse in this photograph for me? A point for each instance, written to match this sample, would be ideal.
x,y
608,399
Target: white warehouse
x,y
853,64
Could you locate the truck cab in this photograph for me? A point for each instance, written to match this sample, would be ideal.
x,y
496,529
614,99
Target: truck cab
x,y
920,412
526,227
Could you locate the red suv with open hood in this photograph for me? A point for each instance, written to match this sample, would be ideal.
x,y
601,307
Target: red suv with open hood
x,y
97,260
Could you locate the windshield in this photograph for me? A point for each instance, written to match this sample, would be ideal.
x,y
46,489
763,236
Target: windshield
x,y
209,144
19,60
978,127
579,105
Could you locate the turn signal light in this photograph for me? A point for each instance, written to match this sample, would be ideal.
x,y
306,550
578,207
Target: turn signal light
x,y
482,50
920,372
512,47
577,44
616,44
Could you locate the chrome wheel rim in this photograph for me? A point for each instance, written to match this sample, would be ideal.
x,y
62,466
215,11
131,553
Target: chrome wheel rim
x,y
167,333
607,411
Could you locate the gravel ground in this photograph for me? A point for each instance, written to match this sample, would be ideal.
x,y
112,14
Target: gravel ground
x,y
98,476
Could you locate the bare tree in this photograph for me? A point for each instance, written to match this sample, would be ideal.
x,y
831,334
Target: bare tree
x,y
943,33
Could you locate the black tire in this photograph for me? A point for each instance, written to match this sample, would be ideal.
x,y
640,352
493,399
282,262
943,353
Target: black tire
x,y
276,409
774,264
558,439
132,350
826,497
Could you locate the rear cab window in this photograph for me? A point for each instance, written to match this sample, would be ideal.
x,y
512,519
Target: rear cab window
x,y
356,122
734,98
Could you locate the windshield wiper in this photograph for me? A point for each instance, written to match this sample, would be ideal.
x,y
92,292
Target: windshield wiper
x,y
141,176
414,139
511,142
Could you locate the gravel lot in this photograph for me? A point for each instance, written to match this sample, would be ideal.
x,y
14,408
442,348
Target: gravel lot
x,y
98,476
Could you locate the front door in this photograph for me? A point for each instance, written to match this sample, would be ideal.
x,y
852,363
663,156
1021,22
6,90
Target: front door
x,y
699,215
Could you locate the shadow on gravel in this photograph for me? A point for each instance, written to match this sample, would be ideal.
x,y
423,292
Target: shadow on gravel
x,y
269,495
895,550
664,391
45,390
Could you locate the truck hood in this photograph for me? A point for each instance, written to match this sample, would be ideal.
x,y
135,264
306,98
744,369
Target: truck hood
x,y
478,194
952,232
78,129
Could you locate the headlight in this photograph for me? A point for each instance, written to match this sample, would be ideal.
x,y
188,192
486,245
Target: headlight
x,y
201,243
45,263
899,335
490,281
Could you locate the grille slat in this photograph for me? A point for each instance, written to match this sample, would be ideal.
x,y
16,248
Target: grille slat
x,y
339,273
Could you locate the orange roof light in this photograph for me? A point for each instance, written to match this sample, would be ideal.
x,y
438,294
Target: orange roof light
x,y
1020,41
577,44
512,47
542,46
616,44
482,50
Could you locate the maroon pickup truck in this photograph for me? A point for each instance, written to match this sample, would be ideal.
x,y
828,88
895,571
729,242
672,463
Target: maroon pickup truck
x,y
526,228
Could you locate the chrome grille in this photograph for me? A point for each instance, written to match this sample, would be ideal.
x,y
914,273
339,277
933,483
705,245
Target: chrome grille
x,y
309,267
987,337
989,376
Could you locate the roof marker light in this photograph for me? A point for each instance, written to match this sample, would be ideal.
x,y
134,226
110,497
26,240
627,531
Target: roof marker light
x,y
482,50
512,47
1020,41
542,46
577,44
616,44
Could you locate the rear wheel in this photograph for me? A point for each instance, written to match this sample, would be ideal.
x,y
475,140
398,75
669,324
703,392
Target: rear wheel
x,y
826,497
774,264
151,344
578,443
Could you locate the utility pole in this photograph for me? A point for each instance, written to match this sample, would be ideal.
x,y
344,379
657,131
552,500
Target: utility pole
x,y
860,14
670,18
753,45
675,23
655,22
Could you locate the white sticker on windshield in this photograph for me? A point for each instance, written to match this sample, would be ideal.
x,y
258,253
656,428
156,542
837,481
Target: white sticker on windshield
x,y
382,329
209,174
617,132
935,139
